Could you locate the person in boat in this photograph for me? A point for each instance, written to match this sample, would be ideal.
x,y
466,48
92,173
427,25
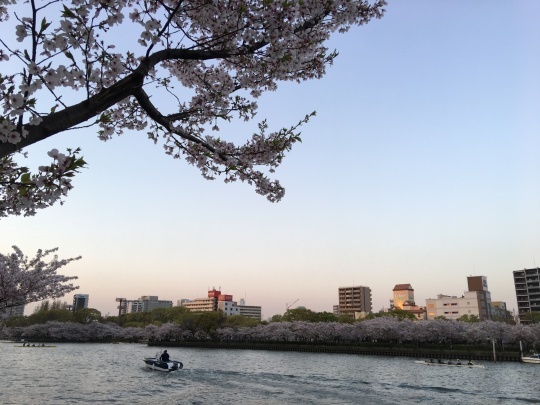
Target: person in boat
x,y
440,361
449,362
458,362
431,361
470,363
165,356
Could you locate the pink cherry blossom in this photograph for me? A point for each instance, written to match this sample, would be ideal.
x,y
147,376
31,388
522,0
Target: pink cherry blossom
x,y
24,280
226,54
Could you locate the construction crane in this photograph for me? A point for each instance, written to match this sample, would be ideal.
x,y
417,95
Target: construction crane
x,y
288,306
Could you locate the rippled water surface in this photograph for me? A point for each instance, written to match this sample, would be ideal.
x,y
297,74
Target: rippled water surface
x,y
115,374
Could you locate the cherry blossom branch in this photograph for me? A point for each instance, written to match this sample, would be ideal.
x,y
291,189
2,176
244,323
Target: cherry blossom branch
x,y
24,280
227,54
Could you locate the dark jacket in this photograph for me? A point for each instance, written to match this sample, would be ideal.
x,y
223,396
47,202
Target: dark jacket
x,y
164,357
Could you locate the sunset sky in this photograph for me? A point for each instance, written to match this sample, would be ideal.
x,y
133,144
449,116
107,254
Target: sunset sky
x,y
420,167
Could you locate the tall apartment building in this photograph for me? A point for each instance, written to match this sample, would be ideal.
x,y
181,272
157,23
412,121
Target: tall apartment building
x,y
80,301
354,299
476,301
527,284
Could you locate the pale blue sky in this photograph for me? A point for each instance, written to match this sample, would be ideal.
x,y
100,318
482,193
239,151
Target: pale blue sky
x,y
420,167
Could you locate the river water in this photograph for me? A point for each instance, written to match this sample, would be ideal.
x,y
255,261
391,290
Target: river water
x,y
116,374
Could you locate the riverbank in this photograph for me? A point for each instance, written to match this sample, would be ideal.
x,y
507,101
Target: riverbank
x,y
358,350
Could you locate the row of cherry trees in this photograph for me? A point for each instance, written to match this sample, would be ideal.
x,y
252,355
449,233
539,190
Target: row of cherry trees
x,y
381,330
389,330
73,332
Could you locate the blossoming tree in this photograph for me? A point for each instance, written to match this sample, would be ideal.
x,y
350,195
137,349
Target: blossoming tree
x,y
70,64
24,280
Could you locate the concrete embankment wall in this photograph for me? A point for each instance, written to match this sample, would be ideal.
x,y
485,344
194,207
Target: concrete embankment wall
x,y
372,351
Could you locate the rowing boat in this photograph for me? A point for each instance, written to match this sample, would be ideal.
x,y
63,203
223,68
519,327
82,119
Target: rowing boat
x,y
448,364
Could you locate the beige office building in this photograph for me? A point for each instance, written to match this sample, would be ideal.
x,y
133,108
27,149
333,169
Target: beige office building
x,y
201,305
476,301
217,301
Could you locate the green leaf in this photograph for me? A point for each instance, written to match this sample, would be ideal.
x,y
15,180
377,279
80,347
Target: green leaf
x,y
25,178
69,55
67,13
44,25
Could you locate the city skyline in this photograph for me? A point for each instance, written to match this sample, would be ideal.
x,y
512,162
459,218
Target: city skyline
x,y
420,167
292,305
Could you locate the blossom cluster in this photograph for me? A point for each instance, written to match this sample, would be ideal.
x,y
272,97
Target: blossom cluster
x,y
24,280
22,193
224,56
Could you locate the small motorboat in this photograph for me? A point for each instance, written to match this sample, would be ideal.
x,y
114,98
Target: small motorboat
x,y
533,359
155,363
448,363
